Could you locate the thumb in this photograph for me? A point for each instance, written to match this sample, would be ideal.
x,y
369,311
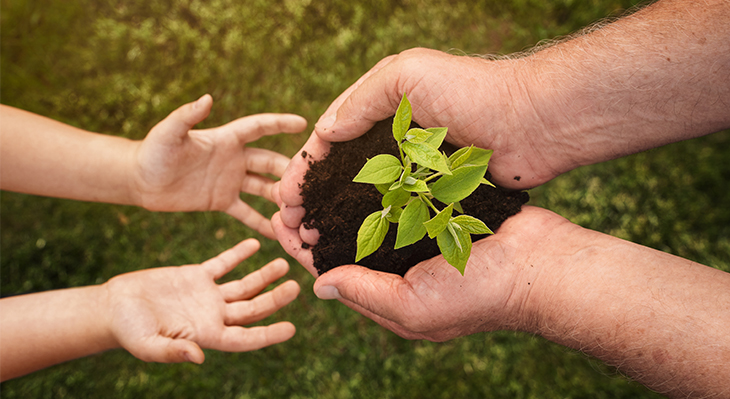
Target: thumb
x,y
167,350
184,118
370,292
359,107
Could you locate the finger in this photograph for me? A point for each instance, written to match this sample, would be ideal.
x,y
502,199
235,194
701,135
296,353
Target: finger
x,y
259,186
167,350
228,260
253,127
292,216
383,294
263,161
184,118
275,196
314,149
240,339
251,218
292,243
373,98
255,282
310,236
262,306
329,116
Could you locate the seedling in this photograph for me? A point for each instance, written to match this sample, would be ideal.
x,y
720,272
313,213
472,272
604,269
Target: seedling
x,y
410,184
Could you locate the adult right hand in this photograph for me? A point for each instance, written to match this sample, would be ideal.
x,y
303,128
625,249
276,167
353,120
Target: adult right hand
x,y
482,102
434,301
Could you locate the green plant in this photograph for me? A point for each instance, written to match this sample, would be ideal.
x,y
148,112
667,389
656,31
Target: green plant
x,y
410,184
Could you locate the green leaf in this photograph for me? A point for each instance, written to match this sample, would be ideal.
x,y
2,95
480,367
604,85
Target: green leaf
x,y
460,156
459,185
471,225
418,136
470,156
402,119
479,157
437,137
381,169
410,225
396,198
394,215
426,155
439,222
371,234
487,182
383,188
416,186
455,245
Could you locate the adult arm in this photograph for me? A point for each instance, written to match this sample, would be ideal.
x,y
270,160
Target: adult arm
x,y
659,318
173,169
161,315
657,76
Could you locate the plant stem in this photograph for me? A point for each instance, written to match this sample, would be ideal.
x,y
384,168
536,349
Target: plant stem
x,y
428,202
433,176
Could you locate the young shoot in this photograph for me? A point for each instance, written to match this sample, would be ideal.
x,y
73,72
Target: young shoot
x,y
411,181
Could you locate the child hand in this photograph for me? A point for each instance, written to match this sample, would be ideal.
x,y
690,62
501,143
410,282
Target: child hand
x,y
179,169
168,314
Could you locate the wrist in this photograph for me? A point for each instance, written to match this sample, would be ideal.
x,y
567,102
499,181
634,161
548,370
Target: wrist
x,y
550,270
132,186
101,313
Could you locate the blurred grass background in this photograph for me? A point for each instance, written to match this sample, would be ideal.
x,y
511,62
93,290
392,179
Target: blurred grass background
x,y
120,66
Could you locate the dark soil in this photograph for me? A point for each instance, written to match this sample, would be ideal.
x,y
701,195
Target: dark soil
x,y
336,206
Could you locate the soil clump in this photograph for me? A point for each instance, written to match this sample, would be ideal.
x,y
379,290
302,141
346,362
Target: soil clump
x,y
336,206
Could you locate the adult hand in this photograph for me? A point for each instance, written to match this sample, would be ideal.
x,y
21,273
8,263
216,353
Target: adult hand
x,y
167,314
179,169
482,102
433,300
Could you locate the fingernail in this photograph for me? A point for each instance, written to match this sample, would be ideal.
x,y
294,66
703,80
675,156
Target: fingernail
x,y
199,102
327,122
328,292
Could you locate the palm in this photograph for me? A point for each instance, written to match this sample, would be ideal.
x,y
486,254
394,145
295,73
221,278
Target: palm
x,y
433,301
195,315
167,314
179,169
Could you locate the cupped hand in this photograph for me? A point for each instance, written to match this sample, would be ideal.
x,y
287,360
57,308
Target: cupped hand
x,y
179,169
491,104
434,301
483,102
168,314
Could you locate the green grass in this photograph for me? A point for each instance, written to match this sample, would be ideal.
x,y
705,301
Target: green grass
x,y
120,66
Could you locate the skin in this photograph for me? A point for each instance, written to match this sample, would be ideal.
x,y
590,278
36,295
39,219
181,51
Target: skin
x,y
173,169
160,315
145,313
658,76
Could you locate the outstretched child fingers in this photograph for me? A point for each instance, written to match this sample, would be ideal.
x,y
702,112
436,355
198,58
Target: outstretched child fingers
x,y
253,127
256,309
181,120
229,259
249,216
264,161
255,282
241,339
